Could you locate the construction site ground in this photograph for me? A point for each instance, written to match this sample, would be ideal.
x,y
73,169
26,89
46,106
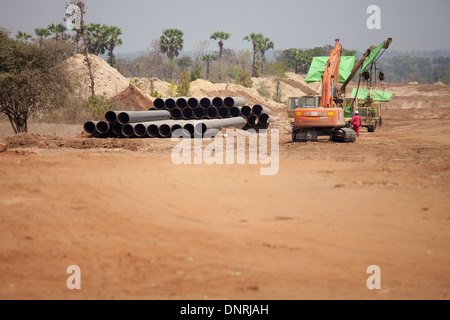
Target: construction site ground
x,y
141,227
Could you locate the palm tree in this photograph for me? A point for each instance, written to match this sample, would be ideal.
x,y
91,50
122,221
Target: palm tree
x,y
221,36
255,39
265,44
208,58
42,33
171,42
23,36
97,38
58,29
113,41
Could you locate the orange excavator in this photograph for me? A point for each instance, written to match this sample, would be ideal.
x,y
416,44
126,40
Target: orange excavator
x,y
327,117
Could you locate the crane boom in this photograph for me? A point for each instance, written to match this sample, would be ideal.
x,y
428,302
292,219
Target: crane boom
x,y
355,69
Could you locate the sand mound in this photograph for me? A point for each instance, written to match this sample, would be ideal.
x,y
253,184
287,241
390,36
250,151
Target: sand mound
x,y
133,99
108,81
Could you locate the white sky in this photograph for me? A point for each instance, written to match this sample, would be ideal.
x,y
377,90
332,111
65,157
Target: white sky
x,y
413,24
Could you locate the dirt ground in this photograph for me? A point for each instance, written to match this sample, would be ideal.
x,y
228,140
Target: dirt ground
x,y
141,227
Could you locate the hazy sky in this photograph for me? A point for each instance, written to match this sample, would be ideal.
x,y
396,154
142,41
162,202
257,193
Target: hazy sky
x,y
413,24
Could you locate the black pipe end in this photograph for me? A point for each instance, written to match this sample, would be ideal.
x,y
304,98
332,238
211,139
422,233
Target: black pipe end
x,y
102,127
257,109
89,127
246,111
205,103
111,116
193,103
175,113
170,103
128,130
123,118
164,131
217,102
228,102
152,131
235,112
140,130
159,103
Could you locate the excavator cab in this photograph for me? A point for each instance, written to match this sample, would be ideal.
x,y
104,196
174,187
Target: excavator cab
x,y
301,102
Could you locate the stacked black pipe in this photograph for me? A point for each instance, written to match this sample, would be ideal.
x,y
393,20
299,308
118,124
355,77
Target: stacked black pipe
x,y
190,115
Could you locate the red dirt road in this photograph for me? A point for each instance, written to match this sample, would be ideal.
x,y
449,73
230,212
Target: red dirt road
x,y
140,227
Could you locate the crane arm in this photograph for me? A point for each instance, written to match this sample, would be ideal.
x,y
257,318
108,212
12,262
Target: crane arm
x,y
355,69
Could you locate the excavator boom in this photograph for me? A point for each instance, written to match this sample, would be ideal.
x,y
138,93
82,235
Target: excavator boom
x,y
330,77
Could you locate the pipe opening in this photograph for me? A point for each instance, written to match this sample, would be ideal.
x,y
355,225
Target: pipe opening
x,y
140,130
128,130
224,112
246,111
111,116
102,127
89,127
252,120
211,112
205,103
193,103
159,103
235,112
117,129
175,113
169,103
264,119
152,131
228,102
189,128
217,102
123,118
181,103
187,113
164,131
257,110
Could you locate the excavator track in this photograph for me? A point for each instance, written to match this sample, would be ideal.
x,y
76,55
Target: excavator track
x,y
344,135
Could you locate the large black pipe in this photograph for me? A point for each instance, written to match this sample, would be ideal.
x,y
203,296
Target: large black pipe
x,y
258,110
211,112
265,119
175,113
193,102
234,102
91,126
142,116
217,102
187,113
189,128
202,126
159,103
252,120
181,102
223,112
116,128
199,113
103,127
205,103
111,116
169,103
246,111
235,112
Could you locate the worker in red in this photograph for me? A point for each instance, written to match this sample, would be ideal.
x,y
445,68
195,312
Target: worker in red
x,y
356,123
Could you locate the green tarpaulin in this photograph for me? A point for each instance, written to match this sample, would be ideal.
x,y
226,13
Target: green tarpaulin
x,y
377,95
318,66
372,56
